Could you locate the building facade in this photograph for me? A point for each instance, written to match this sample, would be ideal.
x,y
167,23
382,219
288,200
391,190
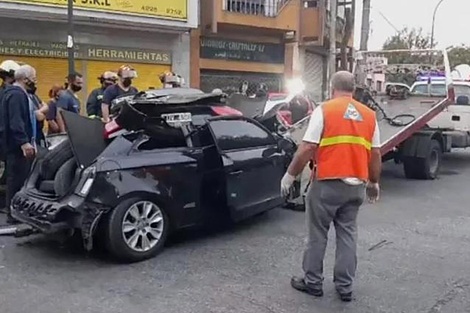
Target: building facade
x,y
267,41
242,41
107,35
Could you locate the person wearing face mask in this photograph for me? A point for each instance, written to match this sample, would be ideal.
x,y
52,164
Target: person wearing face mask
x,y
51,116
19,124
171,80
123,88
95,99
68,100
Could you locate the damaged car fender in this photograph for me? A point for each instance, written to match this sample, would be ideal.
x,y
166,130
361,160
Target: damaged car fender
x,y
171,178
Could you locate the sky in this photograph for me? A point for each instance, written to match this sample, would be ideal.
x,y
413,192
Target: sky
x,y
451,15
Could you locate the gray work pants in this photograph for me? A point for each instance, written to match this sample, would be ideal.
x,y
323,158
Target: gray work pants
x,y
330,201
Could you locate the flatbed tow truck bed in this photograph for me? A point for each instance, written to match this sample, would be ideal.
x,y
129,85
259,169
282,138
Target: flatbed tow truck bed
x,y
423,109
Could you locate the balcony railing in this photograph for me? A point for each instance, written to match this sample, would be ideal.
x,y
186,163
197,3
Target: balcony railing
x,y
270,8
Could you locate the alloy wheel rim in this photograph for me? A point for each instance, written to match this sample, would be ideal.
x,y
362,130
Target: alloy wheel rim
x,y
142,226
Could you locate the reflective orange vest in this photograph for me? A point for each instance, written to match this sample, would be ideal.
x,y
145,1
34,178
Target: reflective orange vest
x,y
344,149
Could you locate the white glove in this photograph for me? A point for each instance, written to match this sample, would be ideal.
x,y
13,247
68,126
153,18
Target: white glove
x,y
373,192
286,184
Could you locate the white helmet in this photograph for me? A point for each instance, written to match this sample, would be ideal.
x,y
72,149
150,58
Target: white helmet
x,y
9,66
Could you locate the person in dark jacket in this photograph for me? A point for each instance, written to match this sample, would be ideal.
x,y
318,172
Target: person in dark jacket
x,y
18,121
122,88
7,75
95,99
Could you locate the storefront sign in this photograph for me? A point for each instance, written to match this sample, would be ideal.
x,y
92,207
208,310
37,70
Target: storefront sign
x,y
169,9
212,48
84,52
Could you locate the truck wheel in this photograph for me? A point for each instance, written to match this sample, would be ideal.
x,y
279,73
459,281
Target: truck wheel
x,y
424,168
54,159
136,230
64,178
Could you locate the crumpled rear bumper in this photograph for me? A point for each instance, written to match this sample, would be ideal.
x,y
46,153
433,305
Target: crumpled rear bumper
x,y
47,216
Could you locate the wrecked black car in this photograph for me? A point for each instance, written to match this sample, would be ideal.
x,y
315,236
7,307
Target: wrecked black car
x,y
186,159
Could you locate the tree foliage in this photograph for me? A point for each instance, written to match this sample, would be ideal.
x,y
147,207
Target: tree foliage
x,y
415,38
459,55
408,39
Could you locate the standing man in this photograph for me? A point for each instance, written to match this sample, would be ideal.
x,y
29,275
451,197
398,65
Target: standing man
x,y
123,88
7,74
95,99
344,140
68,99
19,123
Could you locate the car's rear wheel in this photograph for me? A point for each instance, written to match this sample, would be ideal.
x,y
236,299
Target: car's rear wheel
x,y
136,230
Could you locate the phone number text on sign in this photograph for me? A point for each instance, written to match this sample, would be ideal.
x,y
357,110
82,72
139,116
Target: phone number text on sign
x,y
169,9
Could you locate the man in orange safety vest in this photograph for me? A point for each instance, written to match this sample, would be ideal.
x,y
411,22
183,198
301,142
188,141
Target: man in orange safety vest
x,y
344,140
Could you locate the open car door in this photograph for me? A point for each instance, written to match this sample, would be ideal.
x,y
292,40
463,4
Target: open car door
x,y
253,165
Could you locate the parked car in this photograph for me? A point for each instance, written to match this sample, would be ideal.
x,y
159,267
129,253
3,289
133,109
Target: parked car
x,y
185,160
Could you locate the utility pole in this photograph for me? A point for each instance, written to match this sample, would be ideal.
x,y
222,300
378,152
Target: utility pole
x,y
332,56
70,40
365,31
365,27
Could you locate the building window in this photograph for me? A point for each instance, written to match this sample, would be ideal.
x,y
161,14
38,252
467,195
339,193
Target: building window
x,y
379,85
311,4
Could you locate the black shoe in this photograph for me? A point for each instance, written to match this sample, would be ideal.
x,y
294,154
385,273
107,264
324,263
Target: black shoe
x,y
300,285
345,297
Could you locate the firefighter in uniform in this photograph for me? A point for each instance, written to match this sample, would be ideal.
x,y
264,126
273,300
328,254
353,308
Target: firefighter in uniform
x,y
344,140
95,99
171,80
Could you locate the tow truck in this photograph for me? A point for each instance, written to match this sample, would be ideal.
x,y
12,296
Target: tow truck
x,y
409,133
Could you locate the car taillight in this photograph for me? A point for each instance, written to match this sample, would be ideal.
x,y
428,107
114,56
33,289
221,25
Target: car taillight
x,y
225,110
110,128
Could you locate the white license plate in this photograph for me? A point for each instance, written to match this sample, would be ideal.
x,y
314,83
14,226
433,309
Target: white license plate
x,y
177,118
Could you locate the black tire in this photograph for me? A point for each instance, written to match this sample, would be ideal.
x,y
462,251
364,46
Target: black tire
x,y
64,178
54,159
114,237
424,168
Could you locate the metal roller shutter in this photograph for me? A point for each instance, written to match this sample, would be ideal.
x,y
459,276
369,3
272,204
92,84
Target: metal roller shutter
x,y
147,74
48,71
313,75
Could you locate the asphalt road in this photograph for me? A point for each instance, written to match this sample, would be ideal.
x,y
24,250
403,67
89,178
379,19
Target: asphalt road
x,y
421,265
